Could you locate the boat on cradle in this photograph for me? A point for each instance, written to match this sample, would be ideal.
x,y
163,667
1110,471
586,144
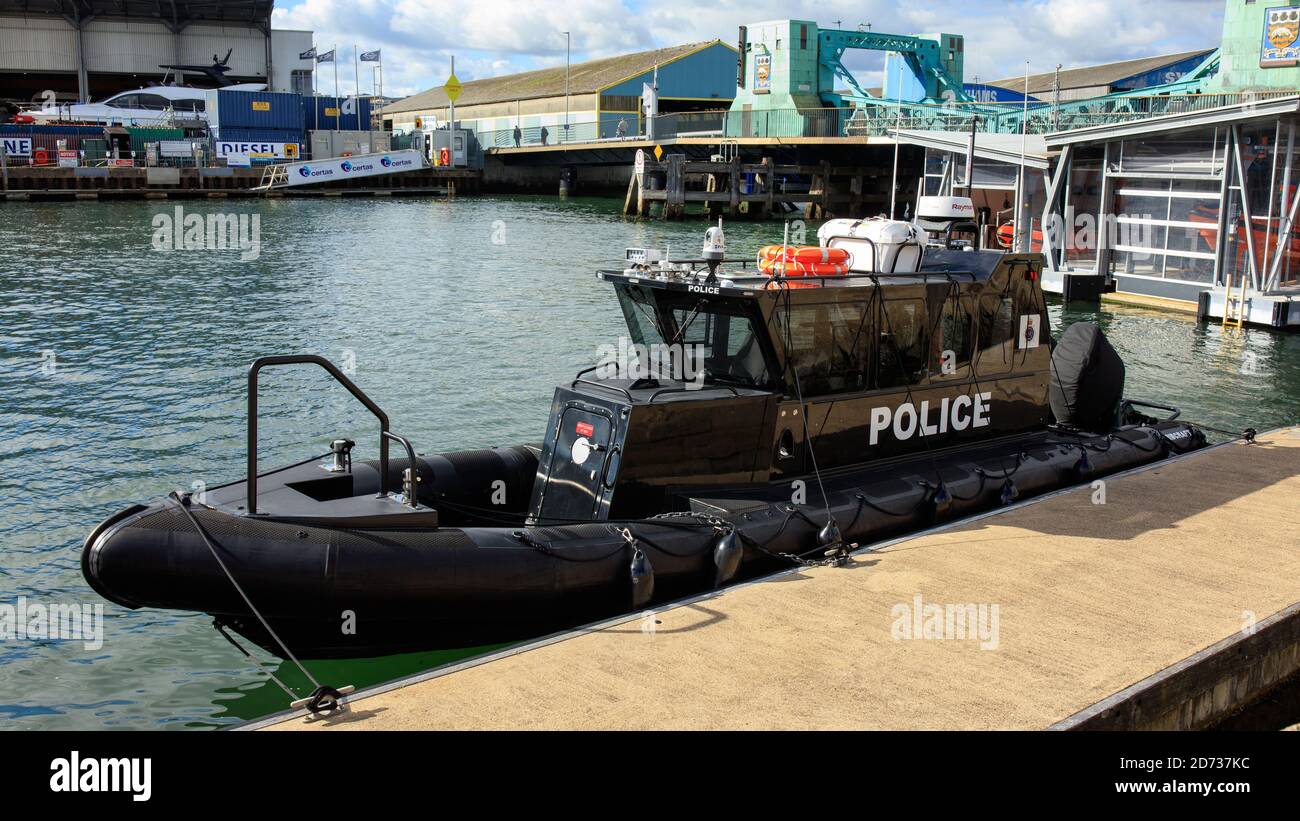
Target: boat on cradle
x,y
918,387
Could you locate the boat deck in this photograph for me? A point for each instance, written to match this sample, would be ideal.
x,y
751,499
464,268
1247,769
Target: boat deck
x,y
1175,602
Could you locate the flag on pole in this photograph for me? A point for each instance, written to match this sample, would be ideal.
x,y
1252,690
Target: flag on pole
x,y
370,56
327,57
309,54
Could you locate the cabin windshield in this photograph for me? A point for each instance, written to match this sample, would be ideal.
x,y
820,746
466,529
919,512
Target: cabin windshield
x,y
717,334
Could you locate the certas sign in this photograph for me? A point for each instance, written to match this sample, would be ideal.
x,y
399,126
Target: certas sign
x,y
347,168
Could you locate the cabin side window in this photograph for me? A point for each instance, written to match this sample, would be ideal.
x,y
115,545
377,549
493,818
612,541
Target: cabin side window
x,y
639,313
997,335
955,338
904,344
828,345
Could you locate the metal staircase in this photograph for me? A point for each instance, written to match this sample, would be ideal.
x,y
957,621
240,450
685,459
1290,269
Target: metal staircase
x,y
1234,304
273,176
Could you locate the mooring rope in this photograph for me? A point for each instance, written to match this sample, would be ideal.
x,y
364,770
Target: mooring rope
x,y
322,699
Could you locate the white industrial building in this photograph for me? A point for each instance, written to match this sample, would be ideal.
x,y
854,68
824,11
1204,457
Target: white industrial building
x,y
89,49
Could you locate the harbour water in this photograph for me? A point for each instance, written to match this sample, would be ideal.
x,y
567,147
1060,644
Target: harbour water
x,y
121,378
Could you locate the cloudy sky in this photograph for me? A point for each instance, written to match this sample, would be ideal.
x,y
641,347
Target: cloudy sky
x,y
491,37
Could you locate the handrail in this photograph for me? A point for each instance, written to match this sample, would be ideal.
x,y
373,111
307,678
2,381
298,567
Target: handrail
x,y
1176,411
623,391
411,500
332,369
714,387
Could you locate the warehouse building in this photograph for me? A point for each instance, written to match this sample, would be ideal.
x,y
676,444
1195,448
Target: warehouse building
x,y
85,50
601,94
1096,81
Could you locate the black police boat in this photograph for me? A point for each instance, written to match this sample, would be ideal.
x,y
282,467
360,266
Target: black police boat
x,y
823,399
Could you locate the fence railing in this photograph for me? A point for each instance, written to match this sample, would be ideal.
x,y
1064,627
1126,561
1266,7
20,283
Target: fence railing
x,y
880,119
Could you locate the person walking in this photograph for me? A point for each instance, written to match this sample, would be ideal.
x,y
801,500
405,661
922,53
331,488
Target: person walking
x,y
519,135
621,133
545,134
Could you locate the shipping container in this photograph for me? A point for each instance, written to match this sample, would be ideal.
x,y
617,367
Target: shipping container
x,y
28,129
326,113
140,137
93,148
40,145
273,135
257,109
327,144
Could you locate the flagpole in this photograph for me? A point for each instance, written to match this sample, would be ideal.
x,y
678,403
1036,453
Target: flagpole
x,y
356,94
334,58
1023,231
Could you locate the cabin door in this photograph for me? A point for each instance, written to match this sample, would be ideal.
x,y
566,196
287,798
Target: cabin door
x,y
576,470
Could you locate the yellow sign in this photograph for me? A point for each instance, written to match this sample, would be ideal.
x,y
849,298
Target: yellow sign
x,y
659,153
261,105
331,112
452,87
290,150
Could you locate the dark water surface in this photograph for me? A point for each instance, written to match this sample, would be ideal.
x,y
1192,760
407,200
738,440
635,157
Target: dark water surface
x,y
122,378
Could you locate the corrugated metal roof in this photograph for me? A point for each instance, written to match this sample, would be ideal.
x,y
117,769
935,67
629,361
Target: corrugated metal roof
x,y
584,78
176,12
1103,75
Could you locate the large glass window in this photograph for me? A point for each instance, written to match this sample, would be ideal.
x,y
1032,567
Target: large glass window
x,y
152,102
997,335
1264,167
1200,152
829,345
1084,205
956,336
300,82
904,343
1165,213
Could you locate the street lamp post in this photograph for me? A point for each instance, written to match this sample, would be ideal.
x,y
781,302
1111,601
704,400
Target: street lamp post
x,y
566,85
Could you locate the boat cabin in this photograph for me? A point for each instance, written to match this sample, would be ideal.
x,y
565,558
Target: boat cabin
x,y
732,377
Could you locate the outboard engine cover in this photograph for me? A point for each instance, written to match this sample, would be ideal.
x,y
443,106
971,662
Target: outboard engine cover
x,y
1087,379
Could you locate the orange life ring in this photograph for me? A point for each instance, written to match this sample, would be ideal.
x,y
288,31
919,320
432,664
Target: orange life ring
x,y
793,268
776,285
1007,236
803,253
40,156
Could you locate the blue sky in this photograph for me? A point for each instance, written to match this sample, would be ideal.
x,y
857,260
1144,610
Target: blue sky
x,y
491,37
